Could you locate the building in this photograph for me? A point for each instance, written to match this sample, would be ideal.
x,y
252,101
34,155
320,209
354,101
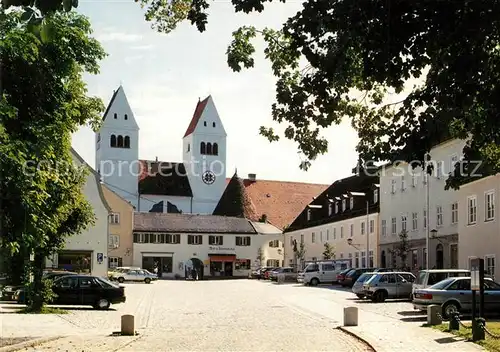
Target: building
x,y
191,186
479,228
87,251
418,203
121,222
340,216
214,245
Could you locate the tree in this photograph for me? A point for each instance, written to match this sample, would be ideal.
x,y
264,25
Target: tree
x,y
402,248
329,251
261,256
43,100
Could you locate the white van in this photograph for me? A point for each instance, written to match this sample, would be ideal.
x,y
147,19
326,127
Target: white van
x,y
323,271
426,278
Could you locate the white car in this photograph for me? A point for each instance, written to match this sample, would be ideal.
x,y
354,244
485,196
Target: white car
x,y
135,275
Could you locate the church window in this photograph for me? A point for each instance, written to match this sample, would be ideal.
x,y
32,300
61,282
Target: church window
x,y
126,117
115,115
205,123
127,142
213,124
113,141
209,148
215,149
119,142
203,148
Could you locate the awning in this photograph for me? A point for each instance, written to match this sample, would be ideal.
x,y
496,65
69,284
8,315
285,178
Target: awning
x,y
222,258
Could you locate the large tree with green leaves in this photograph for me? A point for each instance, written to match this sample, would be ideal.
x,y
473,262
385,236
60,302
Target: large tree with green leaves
x,y
43,101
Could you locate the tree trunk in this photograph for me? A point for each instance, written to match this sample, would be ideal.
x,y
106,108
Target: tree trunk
x,y
37,302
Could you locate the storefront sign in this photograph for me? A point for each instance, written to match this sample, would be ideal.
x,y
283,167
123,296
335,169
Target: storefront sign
x,y
221,249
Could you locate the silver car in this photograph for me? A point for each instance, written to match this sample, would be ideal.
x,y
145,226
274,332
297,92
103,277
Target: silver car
x,y
454,295
396,284
357,288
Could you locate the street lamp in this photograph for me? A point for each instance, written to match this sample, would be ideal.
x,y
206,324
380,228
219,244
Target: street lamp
x,y
426,175
367,227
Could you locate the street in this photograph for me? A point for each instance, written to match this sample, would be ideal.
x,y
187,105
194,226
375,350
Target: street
x,y
213,315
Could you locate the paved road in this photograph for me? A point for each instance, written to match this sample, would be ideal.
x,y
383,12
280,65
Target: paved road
x,y
204,316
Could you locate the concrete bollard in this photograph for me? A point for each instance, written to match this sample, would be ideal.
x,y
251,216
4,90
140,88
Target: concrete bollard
x,y
350,316
128,327
434,315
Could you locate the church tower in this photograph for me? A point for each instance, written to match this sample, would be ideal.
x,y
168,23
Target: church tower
x,y
204,156
117,148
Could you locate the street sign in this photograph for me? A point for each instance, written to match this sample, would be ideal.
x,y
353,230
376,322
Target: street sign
x,y
474,274
100,258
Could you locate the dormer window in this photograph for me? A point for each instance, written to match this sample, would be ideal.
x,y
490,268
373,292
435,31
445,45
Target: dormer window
x,y
308,214
126,117
375,196
351,202
336,207
344,204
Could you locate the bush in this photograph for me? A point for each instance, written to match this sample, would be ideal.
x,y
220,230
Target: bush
x,y
46,293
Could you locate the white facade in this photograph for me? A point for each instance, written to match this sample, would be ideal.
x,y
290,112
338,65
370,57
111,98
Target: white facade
x,y
94,240
119,165
337,235
403,193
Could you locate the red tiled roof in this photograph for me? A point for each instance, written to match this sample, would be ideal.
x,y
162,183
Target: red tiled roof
x,y
281,201
196,116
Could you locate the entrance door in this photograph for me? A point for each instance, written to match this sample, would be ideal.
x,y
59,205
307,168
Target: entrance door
x,y
228,268
439,256
383,260
454,256
198,266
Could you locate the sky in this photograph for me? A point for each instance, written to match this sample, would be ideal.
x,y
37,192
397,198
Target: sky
x,y
163,76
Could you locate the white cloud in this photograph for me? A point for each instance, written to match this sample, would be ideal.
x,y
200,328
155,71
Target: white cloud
x,y
131,59
119,37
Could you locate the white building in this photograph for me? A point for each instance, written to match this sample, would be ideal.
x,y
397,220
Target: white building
x,y
191,186
416,202
221,245
87,251
339,218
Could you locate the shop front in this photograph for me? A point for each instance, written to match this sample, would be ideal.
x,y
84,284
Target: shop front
x,y
222,264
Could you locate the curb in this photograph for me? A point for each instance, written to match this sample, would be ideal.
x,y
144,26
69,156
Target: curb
x,y
356,336
29,343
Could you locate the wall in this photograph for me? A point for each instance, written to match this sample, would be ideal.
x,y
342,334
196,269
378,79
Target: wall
x,y
123,229
94,238
413,199
331,233
183,252
482,238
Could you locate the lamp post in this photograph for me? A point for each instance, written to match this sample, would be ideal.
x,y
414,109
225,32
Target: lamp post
x,y
426,175
432,233
367,227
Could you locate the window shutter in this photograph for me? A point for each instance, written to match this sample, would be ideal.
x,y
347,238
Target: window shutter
x,y
190,239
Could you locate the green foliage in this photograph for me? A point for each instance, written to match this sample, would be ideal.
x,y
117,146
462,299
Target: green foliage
x,y
328,251
45,295
263,218
260,256
300,252
402,248
42,103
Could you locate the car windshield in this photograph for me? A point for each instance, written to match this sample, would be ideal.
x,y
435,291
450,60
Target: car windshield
x,y
442,284
364,277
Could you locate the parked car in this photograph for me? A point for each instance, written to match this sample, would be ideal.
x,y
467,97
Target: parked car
x,y
382,286
323,271
8,292
342,274
267,272
352,276
454,295
140,275
259,273
287,272
357,288
20,294
85,290
427,278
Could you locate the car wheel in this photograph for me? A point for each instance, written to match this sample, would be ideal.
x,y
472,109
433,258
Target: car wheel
x,y
360,296
102,304
450,308
121,280
379,296
147,280
314,282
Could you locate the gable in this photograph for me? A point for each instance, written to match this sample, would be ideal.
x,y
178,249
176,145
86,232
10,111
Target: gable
x,y
206,120
198,111
119,113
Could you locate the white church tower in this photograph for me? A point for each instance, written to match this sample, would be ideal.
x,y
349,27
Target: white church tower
x,y
117,148
204,156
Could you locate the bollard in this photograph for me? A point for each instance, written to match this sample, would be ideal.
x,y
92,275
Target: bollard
x,y
478,325
128,327
434,315
350,316
454,321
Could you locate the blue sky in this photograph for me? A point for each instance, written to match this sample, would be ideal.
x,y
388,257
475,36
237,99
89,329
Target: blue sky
x,y
164,75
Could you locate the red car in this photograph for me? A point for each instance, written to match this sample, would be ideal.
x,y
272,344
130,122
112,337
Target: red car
x,y
342,275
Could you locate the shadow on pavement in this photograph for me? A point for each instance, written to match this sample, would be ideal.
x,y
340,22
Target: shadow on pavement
x,y
414,319
450,339
411,313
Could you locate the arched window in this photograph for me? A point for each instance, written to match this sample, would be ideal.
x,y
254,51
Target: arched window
x,y
202,148
213,124
126,117
119,142
113,141
209,148
215,149
127,142
115,115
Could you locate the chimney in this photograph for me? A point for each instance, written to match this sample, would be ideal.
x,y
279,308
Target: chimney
x,y
252,177
156,159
